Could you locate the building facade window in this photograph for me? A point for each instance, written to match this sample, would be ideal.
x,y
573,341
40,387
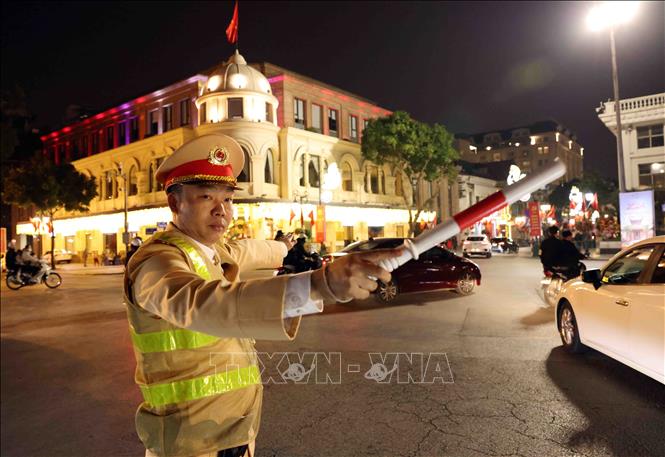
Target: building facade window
x,y
347,177
301,170
134,129
110,141
245,175
132,186
167,118
299,113
235,108
184,112
203,114
353,127
76,150
269,117
108,185
122,133
317,119
651,175
85,151
332,122
153,123
650,136
374,180
313,171
269,170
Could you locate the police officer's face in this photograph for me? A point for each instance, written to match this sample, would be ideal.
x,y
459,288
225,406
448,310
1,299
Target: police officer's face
x,y
203,211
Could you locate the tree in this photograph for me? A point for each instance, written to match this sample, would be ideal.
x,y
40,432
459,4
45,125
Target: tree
x,y
422,152
48,187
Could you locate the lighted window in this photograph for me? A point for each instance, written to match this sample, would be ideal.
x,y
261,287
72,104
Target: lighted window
x,y
651,175
151,177
332,122
167,118
203,114
317,121
347,177
353,127
235,108
299,113
153,123
131,181
245,175
269,170
184,112
650,136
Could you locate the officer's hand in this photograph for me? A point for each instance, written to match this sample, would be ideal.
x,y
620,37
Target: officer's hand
x,y
287,240
348,276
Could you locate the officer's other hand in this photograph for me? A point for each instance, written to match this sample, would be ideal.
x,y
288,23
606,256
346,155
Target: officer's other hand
x,y
348,276
287,240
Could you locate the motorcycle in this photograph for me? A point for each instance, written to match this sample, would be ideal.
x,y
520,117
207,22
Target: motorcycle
x,y
313,262
16,278
550,285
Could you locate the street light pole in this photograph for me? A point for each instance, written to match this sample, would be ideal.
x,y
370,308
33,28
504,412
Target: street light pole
x,y
617,110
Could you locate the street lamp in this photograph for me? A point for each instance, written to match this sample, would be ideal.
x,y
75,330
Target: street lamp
x,y
610,15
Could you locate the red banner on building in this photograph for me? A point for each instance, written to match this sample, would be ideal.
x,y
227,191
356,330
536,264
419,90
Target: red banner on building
x,y
534,219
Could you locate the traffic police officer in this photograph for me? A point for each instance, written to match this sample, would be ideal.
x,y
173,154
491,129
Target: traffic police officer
x,y
186,304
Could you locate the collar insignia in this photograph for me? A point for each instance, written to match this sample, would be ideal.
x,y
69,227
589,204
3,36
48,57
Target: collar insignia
x,y
218,156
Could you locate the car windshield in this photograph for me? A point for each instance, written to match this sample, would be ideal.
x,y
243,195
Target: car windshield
x,y
379,243
476,238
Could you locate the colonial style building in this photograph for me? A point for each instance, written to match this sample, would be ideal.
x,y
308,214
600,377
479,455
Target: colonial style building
x,y
530,147
642,121
303,166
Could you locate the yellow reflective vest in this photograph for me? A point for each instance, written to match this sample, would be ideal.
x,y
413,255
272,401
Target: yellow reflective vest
x,y
192,325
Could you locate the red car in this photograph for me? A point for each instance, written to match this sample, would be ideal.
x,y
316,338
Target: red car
x,y
436,269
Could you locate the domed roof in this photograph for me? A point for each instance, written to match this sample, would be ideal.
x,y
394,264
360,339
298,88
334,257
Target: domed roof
x,y
236,75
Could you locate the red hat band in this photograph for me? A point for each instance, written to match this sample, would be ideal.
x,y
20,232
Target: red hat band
x,y
200,170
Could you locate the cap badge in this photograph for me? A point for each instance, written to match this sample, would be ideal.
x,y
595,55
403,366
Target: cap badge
x,y
218,156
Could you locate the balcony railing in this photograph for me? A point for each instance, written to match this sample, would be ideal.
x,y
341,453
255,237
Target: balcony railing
x,y
634,104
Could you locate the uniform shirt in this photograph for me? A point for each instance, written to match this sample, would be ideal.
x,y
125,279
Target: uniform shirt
x,y
298,289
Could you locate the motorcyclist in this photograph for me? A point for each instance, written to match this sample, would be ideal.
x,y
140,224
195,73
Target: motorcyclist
x,y
134,246
550,249
32,265
569,256
299,258
10,259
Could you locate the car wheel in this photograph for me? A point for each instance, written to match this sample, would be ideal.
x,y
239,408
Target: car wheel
x,y
387,292
465,284
568,330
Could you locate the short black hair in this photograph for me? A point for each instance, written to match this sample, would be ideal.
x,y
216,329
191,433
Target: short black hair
x,y
553,230
566,233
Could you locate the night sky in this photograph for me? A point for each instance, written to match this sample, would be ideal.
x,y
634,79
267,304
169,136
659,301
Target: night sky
x,y
470,66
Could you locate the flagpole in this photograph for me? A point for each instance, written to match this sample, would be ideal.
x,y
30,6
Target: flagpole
x,y
237,26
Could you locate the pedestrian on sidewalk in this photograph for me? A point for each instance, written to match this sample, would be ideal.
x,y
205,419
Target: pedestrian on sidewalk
x,y
192,321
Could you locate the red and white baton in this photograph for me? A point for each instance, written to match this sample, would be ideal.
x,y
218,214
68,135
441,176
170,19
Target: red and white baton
x,y
473,214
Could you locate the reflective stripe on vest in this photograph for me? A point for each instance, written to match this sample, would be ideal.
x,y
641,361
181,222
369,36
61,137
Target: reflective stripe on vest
x,y
204,386
174,339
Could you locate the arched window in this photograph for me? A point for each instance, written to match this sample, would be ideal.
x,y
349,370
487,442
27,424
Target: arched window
x,y
382,177
313,171
108,188
100,188
374,180
399,185
131,181
269,170
347,177
244,175
301,170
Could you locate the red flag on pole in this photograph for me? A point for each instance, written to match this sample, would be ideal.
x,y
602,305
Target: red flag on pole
x,y
292,216
232,29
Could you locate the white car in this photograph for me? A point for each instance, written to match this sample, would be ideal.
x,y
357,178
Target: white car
x,y
477,245
61,256
619,309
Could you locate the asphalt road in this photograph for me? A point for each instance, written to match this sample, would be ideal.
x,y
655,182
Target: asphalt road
x,y
432,374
